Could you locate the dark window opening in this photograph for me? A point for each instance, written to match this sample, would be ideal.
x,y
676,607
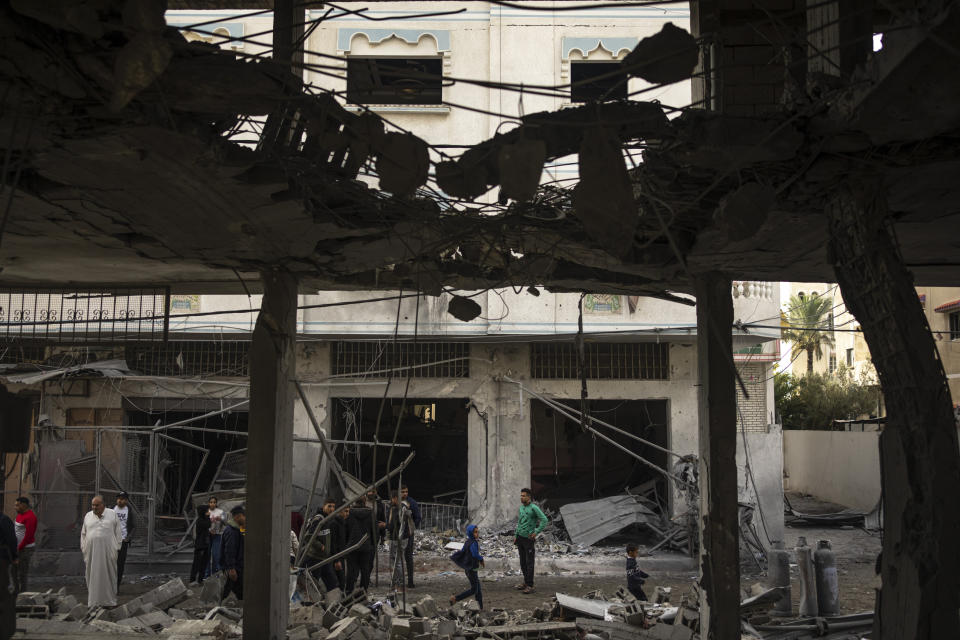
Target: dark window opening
x,y
569,465
849,357
191,358
182,470
436,429
394,80
596,81
603,361
955,325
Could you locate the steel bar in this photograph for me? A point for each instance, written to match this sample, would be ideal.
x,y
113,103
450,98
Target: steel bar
x,y
337,555
201,417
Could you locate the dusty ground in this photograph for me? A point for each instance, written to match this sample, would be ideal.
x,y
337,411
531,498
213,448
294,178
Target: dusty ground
x,y
856,552
856,555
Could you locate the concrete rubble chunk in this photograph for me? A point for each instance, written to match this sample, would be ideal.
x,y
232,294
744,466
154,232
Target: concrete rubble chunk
x,y
156,620
64,604
307,615
419,626
78,612
212,588
332,596
426,607
360,611
446,628
196,629
137,625
298,633
344,629
399,628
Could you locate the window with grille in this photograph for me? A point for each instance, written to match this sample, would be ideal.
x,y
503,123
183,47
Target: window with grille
x,y
832,363
416,359
603,361
191,358
955,326
16,353
394,80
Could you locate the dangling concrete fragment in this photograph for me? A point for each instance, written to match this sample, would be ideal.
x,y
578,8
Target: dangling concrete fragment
x,y
463,309
402,163
521,164
669,56
603,200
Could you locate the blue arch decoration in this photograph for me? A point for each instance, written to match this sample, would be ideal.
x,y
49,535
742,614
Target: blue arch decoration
x,y
410,36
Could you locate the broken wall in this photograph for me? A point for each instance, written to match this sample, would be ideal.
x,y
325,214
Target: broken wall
x,y
838,466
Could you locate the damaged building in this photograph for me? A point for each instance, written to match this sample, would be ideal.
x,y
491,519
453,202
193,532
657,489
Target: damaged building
x,y
147,158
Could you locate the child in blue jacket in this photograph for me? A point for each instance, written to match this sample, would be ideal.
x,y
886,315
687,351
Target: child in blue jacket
x,y
470,559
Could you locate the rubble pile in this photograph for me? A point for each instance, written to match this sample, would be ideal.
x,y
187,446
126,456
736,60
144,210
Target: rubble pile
x,y
623,617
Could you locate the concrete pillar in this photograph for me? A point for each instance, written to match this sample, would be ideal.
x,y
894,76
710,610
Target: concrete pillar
x,y
269,460
719,548
919,457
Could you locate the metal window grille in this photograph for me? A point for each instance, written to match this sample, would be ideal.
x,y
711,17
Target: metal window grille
x,y
416,359
85,315
191,358
442,517
603,361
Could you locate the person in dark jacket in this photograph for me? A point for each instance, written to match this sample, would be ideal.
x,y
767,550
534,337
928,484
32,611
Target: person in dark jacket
x,y
635,575
321,544
470,559
201,545
8,559
400,529
360,563
232,558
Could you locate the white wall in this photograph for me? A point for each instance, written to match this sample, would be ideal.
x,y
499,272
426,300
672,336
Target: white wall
x,y
764,450
838,466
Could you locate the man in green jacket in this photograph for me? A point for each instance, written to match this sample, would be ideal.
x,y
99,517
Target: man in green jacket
x,y
530,522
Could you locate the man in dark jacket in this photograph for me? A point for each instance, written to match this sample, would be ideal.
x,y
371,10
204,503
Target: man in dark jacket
x,y
8,597
400,527
321,545
232,558
360,563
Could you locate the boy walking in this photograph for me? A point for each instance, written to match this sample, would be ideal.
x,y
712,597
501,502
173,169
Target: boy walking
x,y
530,522
635,575
470,560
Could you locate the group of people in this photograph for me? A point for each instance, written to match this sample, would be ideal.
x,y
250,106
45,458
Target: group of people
x,y
359,528
218,546
351,532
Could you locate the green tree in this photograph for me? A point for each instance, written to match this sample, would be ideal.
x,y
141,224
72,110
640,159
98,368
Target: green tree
x,y
809,330
814,401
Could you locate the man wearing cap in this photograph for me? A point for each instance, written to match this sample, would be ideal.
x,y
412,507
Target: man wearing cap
x,y
232,558
125,516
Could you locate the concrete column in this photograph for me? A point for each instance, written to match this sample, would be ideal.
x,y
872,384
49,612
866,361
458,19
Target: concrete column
x,y
269,460
719,548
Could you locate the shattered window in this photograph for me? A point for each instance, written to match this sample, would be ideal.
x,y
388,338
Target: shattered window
x,y
394,80
597,81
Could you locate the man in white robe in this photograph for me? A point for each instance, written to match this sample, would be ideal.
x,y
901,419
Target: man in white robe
x,y
100,540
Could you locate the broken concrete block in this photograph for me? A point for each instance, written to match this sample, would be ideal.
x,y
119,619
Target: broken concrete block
x,y
660,631
663,594
319,634
196,628
156,620
78,612
426,607
344,629
298,633
360,611
332,597
178,614
634,614
419,626
64,604
471,605
136,624
212,588
399,628
446,627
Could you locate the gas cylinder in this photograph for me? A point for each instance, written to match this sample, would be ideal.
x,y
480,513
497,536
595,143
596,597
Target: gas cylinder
x,y
808,584
778,575
828,587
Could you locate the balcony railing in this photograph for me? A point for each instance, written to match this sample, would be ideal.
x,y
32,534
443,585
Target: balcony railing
x,y
753,290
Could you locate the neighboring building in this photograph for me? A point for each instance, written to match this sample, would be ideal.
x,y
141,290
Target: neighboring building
x,y
470,408
941,306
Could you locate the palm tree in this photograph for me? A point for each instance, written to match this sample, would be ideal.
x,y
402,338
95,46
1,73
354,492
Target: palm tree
x,y
808,326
